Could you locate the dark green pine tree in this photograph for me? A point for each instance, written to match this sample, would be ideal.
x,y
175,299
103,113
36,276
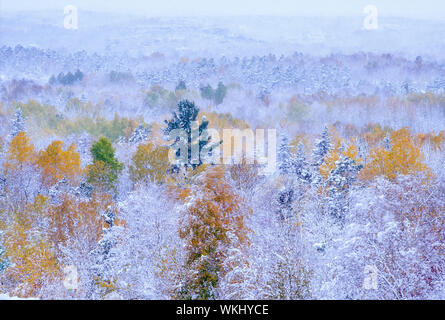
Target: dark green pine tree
x,y
321,148
184,119
207,92
338,184
220,93
78,76
4,263
181,86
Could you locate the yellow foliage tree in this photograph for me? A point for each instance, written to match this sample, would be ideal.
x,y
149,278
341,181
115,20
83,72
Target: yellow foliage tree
x,y
57,163
374,134
220,121
31,255
351,151
435,141
438,140
329,162
403,157
20,172
21,152
150,163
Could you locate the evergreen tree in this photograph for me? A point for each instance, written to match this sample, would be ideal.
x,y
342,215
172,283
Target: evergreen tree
x,y
207,92
184,120
285,199
338,184
181,86
321,148
105,268
300,165
387,143
84,190
68,79
292,167
3,261
220,93
102,150
216,95
17,124
60,78
78,76
140,134
52,80
104,171
285,163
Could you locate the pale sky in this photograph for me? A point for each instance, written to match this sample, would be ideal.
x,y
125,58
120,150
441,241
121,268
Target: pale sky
x,y
423,9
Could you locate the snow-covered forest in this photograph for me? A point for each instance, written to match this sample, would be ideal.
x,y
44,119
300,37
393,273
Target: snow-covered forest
x,y
94,203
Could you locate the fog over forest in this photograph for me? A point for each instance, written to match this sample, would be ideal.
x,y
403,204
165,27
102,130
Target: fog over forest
x,y
267,150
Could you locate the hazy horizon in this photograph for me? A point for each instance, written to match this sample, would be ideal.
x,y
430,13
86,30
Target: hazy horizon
x,y
427,9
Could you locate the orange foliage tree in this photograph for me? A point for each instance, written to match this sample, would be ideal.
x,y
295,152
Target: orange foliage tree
x,y
214,222
72,217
